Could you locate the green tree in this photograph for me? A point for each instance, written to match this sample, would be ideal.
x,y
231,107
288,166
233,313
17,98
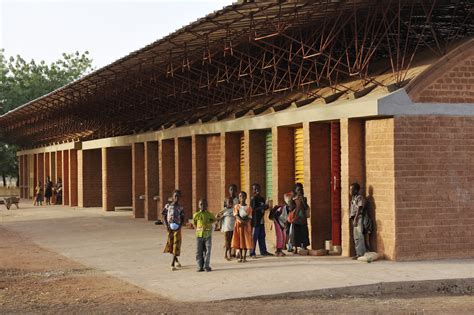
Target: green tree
x,y
22,81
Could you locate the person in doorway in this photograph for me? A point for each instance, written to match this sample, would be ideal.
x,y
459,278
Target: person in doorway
x,y
48,190
279,215
38,194
299,219
357,218
235,201
227,226
258,205
203,220
173,219
59,192
242,237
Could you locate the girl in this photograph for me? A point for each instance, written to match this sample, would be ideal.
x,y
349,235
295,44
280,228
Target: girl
x,y
173,219
300,218
279,214
38,195
227,226
48,190
242,237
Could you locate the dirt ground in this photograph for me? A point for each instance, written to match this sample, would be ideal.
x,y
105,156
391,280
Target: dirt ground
x,y
36,280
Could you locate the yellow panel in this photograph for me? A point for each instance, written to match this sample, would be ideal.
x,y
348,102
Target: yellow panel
x,y
242,164
299,160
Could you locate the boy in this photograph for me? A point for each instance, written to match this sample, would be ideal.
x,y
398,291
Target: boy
x,y
258,205
227,227
203,220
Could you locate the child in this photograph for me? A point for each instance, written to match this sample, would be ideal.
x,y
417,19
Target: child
x,y
203,220
242,237
173,218
38,195
279,215
227,226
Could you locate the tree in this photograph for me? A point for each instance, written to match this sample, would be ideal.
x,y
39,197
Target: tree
x,y
22,81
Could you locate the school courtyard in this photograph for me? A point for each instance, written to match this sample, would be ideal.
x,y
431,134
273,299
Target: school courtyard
x,y
130,250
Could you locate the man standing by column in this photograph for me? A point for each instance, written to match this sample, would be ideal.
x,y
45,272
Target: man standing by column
x,y
258,205
356,215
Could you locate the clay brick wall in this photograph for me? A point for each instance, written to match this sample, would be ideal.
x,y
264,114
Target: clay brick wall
x,y
183,174
138,179
167,172
89,170
73,178
47,164
352,170
450,80
40,168
230,163
52,157
199,169
151,180
317,159
59,165
434,187
283,162
213,180
255,160
380,181
65,174
116,178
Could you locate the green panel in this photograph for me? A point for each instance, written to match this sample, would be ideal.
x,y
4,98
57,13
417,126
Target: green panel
x,y
268,165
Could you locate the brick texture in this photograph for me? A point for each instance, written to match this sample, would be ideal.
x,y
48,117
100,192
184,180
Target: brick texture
x,y
434,172
380,182
199,169
151,180
254,157
450,80
138,179
40,169
46,165
89,170
230,163
283,162
183,173
317,167
59,165
352,170
116,178
167,171
213,180
65,174
52,157
73,178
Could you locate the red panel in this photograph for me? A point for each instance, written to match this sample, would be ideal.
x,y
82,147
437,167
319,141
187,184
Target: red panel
x,y
336,183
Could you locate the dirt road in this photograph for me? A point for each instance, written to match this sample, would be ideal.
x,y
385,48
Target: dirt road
x,y
36,280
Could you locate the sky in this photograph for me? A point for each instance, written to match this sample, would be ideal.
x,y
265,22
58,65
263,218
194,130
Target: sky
x,y
108,29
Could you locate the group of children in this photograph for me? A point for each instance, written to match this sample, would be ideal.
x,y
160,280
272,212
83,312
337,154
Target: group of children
x,y
242,225
50,190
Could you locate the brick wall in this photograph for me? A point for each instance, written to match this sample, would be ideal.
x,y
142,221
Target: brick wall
x,y
230,162
317,159
434,187
380,182
213,180
352,170
116,178
167,171
283,162
138,179
59,165
450,80
151,180
65,174
73,178
40,168
183,173
199,169
89,170
255,151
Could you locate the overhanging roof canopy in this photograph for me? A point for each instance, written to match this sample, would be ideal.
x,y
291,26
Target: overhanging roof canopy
x,y
249,55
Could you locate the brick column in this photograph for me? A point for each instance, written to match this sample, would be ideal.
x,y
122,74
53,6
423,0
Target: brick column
x,y
166,157
199,170
283,162
46,165
352,169
138,179
59,166
65,174
183,173
20,174
317,174
151,179
213,173
230,162
52,158
73,178
116,178
35,174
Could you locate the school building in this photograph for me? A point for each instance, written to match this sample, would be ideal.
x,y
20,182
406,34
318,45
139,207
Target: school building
x,y
324,93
